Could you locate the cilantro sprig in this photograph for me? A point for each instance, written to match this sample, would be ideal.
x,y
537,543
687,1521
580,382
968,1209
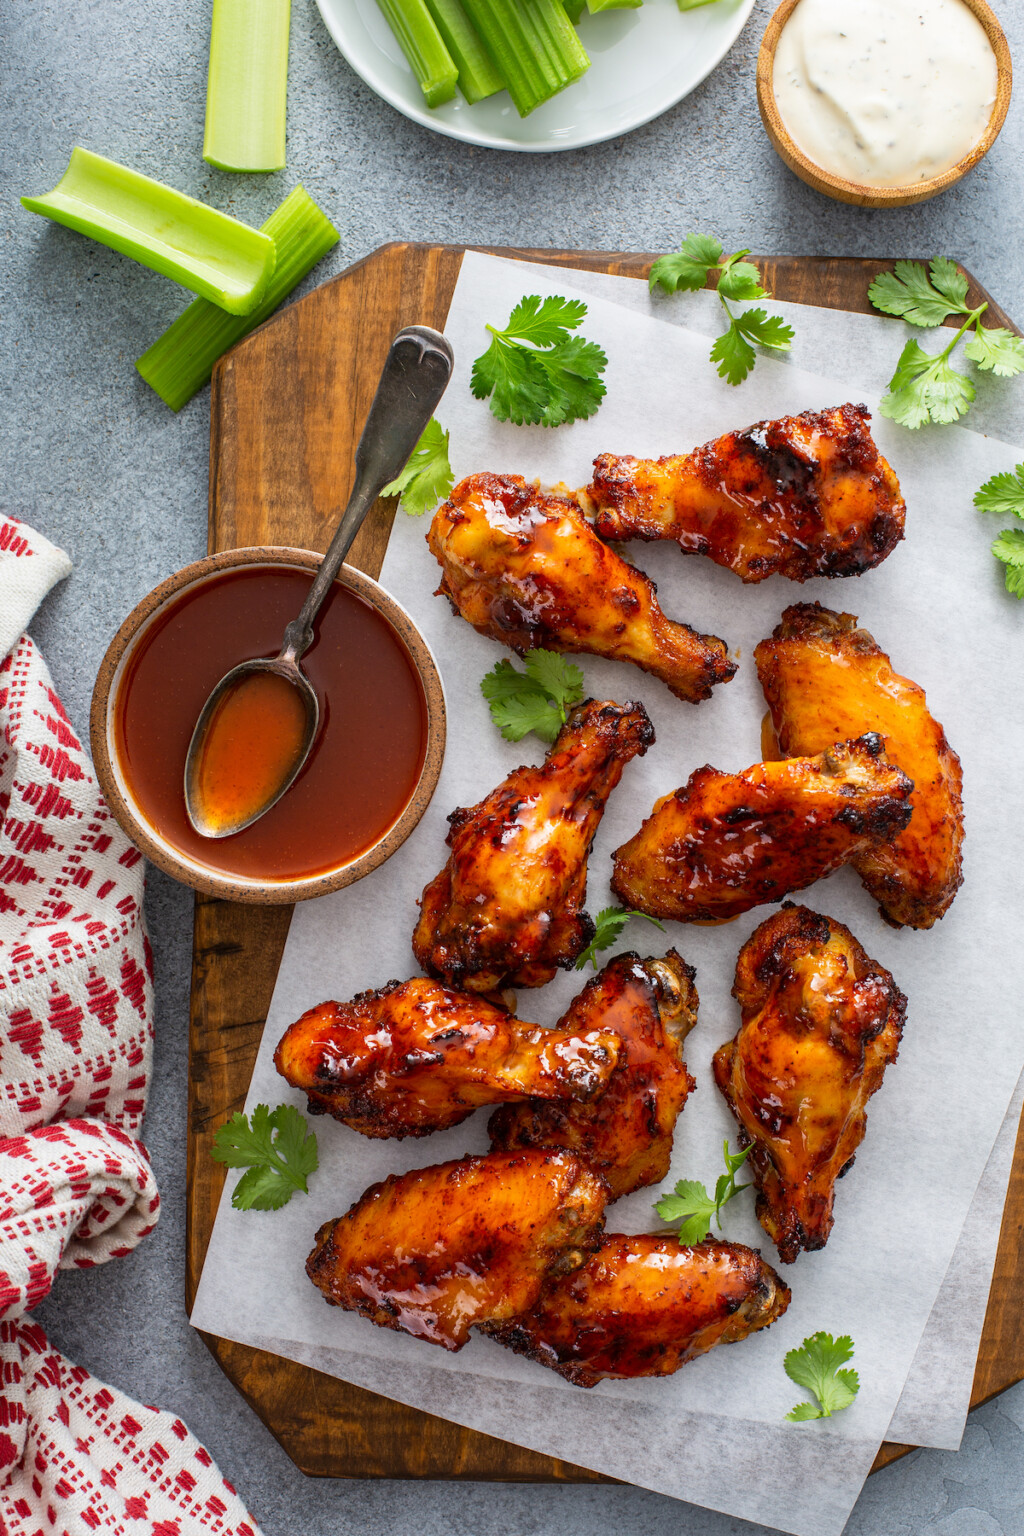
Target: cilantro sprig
x,y
692,1206
535,371
925,386
275,1149
815,1366
537,699
738,280
608,924
427,477
1004,494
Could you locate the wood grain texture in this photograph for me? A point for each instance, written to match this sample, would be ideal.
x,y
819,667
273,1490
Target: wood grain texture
x,y
286,411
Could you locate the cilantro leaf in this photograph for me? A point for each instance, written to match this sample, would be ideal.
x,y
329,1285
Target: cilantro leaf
x,y
559,679
275,1148
608,924
535,372
925,388
908,293
948,394
733,354
691,1203
996,350
427,477
688,267
514,380
575,390
815,1366
1003,493
536,699
950,281
519,704
767,330
738,280
692,1206
545,322
1009,548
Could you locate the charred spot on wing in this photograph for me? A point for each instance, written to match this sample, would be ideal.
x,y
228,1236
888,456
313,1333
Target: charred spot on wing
x,y
791,470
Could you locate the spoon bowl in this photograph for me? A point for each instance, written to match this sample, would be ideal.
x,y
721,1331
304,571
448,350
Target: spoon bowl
x,y
238,768
212,724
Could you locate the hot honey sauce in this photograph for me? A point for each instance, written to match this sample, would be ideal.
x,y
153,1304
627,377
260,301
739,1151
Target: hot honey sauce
x,y
369,751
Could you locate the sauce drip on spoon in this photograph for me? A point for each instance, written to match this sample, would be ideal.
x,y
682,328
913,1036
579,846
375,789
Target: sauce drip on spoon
x,y
250,748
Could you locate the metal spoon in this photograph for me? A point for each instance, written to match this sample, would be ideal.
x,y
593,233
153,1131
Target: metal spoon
x,y
413,379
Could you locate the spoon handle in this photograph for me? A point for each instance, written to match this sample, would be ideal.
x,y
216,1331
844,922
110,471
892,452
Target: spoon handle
x,y
413,379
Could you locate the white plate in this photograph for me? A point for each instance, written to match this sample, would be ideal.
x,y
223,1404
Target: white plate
x,y
642,62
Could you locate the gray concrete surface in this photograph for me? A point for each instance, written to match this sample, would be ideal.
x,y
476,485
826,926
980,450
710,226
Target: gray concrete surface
x,y
95,461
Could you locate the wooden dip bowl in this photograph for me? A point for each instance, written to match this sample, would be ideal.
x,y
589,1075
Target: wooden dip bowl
x,y
862,194
240,867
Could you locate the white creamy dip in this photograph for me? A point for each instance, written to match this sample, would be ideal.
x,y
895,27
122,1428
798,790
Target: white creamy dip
x,y
885,92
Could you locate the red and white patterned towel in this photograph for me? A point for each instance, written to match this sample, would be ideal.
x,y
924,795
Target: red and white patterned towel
x,y
76,1187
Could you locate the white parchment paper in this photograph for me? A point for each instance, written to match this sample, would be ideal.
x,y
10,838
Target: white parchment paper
x,y
934,1404
936,606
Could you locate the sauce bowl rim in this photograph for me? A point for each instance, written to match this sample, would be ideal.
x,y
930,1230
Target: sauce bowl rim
x,y
863,194
129,814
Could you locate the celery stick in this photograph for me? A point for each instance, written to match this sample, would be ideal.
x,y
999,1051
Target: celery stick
x,y
593,6
214,255
424,47
533,44
477,75
574,9
181,360
247,85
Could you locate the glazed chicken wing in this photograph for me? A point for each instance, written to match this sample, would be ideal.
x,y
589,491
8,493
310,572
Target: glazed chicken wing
x,y
507,909
626,1132
727,842
440,1250
806,495
821,1022
644,1306
824,680
415,1057
524,567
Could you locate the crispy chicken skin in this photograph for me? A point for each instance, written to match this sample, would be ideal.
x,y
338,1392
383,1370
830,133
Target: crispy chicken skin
x,y
644,1306
415,1057
821,1022
507,909
625,1133
524,567
806,495
439,1250
825,679
727,842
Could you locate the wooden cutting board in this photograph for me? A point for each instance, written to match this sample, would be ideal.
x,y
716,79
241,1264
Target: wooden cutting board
x,y
286,411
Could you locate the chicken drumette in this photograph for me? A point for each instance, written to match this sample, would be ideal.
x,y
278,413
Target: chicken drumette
x,y
440,1250
825,679
644,1306
415,1057
820,1024
626,1132
507,909
727,842
524,567
806,495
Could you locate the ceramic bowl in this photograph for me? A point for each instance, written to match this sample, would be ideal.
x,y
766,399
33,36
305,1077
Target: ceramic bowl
x,y
207,878
859,193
